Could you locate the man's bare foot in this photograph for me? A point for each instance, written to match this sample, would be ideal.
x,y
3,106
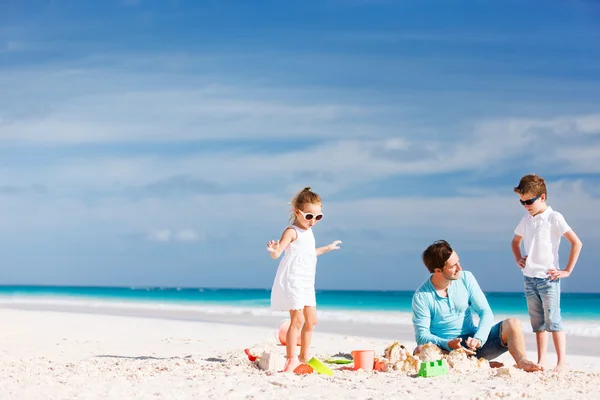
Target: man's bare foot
x,y
496,364
560,368
529,366
291,364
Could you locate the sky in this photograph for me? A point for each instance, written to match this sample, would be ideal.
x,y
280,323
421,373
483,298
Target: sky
x,y
158,143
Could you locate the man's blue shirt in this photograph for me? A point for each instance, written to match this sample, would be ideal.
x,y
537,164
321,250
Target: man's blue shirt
x,y
438,319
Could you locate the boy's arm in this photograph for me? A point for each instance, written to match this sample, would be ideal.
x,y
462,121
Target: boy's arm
x,y
576,246
516,249
328,248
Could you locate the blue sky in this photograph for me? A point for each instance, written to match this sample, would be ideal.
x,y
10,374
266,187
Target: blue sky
x,y
158,142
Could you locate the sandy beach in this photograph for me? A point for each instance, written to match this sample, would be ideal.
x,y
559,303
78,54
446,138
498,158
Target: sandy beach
x,y
73,355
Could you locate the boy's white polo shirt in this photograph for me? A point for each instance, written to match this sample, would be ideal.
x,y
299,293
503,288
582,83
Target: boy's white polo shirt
x,y
541,238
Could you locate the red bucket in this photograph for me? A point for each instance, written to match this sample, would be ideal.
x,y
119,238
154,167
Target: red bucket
x,y
282,331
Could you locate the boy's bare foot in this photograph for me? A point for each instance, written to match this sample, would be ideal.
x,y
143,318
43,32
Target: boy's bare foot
x,y
529,366
304,359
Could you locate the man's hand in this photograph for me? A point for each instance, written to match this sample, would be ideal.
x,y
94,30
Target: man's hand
x,y
473,343
554,274
454,344
521,263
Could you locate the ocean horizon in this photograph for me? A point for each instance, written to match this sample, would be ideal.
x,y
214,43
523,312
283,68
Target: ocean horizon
x,y
576,306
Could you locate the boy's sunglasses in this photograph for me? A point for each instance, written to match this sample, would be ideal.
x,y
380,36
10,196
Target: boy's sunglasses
x,y
310,216
530,201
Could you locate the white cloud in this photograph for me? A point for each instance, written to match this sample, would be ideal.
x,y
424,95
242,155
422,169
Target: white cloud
x,y
187,235
160,235
265,214
339,164
97,107
167,235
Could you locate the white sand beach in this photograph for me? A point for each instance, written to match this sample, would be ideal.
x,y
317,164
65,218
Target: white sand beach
x,y
69,355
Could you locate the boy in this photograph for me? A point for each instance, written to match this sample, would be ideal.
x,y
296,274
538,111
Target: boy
x,y
541,230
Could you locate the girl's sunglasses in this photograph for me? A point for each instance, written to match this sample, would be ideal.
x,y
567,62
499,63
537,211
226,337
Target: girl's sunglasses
x,y
530,201
309,216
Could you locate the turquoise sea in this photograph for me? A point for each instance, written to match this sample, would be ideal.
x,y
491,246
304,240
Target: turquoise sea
x,y
576,306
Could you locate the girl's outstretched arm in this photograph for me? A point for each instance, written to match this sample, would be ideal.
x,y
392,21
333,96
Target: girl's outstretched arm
x,y
328,248
276,247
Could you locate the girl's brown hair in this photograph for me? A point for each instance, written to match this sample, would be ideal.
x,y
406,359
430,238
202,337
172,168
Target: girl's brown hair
x,y
305,196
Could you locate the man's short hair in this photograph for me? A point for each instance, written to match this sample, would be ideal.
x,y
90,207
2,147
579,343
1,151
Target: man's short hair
x,y
436,255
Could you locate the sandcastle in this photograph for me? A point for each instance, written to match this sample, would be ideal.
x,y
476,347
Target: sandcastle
x,y
459,360
398,358
430,352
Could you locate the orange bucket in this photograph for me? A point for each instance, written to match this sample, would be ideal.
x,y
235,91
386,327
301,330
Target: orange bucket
x,y
363,359
282,331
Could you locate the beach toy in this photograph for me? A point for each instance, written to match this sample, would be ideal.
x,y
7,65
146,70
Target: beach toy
x,y
269,361
364,359
282,331
433,368
303,369
251,357
380,365
338,361
319,367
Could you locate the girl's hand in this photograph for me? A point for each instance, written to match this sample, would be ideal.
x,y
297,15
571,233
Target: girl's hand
x,y
272,246
334,245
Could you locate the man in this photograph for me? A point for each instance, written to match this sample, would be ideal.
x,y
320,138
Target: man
x,y
443,310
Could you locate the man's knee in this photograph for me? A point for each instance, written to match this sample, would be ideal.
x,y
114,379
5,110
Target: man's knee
x,y
510,328
511,323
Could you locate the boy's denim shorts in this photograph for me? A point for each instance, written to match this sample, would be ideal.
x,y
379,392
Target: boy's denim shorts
x,y
543,303
493,346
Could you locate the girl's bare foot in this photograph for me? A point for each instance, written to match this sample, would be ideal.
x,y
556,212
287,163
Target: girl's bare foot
x,y
542,362
291,364
560,368
303,359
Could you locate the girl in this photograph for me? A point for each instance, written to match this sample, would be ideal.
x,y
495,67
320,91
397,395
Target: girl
x,y
294,286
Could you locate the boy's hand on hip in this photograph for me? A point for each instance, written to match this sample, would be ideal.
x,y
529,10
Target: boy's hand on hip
x,y
554,274
521,263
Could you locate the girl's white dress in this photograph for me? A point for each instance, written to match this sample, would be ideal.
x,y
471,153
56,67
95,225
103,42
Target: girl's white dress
x,y
294,285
